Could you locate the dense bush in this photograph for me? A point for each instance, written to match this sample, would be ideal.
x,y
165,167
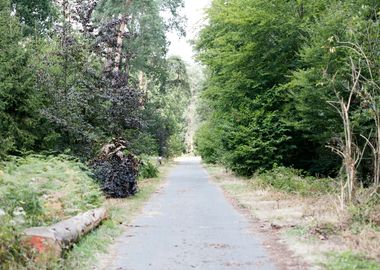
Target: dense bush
x,y
247,69
206,143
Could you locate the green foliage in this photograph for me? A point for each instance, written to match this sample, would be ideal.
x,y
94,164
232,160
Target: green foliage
x,y
34,15
274,69
206,143
11,253
148,47
37,191
142,143
165,110
294,181
350,261
247,69
366,213
176,145
56,92
147,169
324,69
74,111
36,183
298,231
19,99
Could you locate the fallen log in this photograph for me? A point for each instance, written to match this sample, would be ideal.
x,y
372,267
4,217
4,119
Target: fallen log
x,y
53,240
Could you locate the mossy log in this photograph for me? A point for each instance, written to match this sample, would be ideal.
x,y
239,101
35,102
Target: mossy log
x,y
53,240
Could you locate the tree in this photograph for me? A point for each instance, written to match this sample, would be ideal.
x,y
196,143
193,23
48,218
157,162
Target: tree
x,y
274,68
164,112
35,15
19,100
336,68
141,43
250,53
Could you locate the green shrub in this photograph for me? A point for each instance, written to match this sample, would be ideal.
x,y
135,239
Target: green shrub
x,y
366,212
293,181
148,170
11,252
207,143
176,146
38,184
37,191
350,261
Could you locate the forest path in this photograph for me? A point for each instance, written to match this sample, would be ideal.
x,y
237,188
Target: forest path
x,y
189,225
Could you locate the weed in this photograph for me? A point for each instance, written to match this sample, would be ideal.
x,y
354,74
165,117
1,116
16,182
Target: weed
x,y
297,231
147,170
349,261
293,181
365,213
84,252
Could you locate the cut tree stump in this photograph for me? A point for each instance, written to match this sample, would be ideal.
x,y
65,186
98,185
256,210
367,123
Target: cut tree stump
x,y
51,241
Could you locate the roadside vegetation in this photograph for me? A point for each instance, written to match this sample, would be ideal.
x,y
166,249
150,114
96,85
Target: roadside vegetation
x,y
42,190
294,182
348,260
305,214
291,103
39,191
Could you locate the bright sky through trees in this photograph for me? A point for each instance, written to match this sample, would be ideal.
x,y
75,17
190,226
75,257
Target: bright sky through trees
x,y
194,11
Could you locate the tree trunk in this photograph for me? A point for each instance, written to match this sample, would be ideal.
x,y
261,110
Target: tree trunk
x,y
51,241
376,157
119,45
120,38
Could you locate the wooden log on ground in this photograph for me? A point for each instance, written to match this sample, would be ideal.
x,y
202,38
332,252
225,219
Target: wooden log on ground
x,y
53,240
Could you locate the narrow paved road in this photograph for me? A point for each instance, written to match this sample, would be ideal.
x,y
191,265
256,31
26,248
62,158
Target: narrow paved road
x,y
189,225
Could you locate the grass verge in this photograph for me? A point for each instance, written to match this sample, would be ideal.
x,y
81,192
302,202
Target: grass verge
x,y
350,261
303,212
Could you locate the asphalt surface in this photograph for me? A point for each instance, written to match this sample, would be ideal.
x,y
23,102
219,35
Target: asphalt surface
x,y
189,225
